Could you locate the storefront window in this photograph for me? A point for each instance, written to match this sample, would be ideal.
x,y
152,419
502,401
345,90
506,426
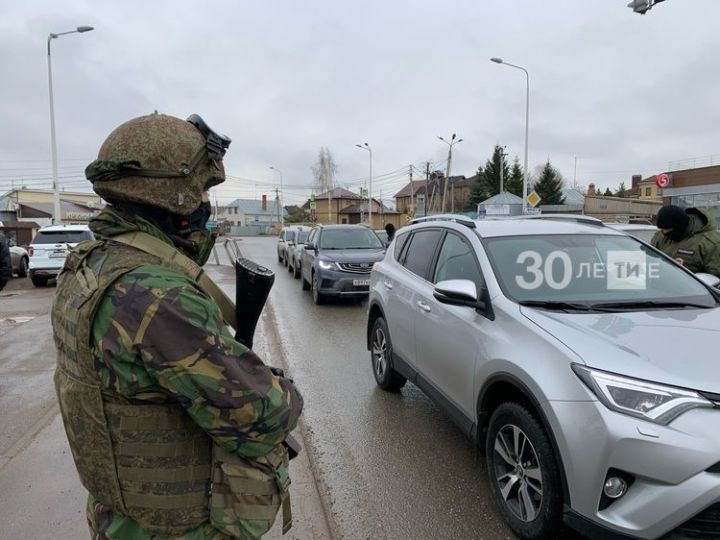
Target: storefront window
x,y
707,202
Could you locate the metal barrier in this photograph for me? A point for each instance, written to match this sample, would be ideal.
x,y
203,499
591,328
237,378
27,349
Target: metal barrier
x,y
231,249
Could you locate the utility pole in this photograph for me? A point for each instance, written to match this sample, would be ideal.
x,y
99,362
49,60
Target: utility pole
x,y
450,144
412,204
427,191
277,204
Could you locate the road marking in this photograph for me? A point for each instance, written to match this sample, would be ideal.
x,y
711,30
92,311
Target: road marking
x,y
27,437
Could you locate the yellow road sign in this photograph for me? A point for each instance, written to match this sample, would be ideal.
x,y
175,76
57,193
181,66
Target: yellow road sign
x,y
533,199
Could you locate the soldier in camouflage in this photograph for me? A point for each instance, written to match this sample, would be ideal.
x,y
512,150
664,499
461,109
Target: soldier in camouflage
x,y
176,428
689,236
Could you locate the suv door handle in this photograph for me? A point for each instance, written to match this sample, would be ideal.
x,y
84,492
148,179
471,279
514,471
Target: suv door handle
x,y
422,305
387,284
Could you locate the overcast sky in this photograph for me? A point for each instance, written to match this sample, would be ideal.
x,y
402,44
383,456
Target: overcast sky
x,y
626,93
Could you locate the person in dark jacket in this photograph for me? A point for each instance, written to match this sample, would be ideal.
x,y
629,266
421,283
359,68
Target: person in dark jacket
x,y
5,262
390,230
688,236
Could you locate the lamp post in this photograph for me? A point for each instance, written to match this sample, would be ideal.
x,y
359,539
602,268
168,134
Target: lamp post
x,y
450,144
527,123
366,146
282,210
57,217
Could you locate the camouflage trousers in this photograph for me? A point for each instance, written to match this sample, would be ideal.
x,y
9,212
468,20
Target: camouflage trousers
x,y
105,525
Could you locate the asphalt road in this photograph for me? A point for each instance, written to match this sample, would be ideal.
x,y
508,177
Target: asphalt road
x,y
390,465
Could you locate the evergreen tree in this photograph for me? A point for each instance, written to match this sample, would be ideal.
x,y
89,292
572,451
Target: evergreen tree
x,y
607,192
477,191
491,178
549,185
622,190
515,182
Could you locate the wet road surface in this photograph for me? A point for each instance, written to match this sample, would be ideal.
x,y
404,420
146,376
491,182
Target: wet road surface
x,y
391,465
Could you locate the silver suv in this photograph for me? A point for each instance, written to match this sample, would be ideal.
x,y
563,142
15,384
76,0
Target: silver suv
x,y
50,247
581,360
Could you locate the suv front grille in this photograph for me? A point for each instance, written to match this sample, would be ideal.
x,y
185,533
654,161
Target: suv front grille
x,y
356,268
705,525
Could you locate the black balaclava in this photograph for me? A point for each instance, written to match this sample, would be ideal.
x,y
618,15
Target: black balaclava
x,y
188,233
674,218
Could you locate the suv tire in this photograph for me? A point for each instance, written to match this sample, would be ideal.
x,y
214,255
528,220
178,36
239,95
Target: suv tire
x,y
381,358
296,271
39,281
305,284
518,452
23,268
318,297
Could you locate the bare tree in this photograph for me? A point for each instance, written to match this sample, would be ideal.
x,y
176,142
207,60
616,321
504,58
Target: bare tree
x,y
324,171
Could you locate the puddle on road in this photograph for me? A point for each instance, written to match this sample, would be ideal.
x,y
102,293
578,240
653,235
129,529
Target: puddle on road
x,y
15,320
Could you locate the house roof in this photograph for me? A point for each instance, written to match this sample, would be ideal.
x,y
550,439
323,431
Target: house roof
x,y
67,207
338,193
254,207
411,188
359,208
502,198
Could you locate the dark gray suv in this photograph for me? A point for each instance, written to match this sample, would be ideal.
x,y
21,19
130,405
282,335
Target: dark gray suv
x,y
337,261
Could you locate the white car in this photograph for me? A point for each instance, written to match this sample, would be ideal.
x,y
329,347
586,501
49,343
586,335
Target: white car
x,y
19,258
296,243
644,232
50,247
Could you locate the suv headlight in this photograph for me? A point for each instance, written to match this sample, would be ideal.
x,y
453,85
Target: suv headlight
x,y
650,401
327,265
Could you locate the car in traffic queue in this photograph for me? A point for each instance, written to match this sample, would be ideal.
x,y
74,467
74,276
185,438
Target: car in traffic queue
x,y
337,259
49,248
641,231
294,249
19,260
282,243
594,392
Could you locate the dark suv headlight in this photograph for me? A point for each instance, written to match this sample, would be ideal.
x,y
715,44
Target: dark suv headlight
x,y
328,265
650,401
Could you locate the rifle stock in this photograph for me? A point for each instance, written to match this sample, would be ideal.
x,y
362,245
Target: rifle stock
x,y
253,284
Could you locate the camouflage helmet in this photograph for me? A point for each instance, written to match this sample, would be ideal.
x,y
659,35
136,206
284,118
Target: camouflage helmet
x,y
159,160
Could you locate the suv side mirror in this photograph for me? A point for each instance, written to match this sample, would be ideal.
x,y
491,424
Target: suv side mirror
x,y
310,246
458,292
708,279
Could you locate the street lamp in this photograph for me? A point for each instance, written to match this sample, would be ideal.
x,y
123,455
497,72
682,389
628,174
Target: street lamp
x,y
366,146
450,144
57,217
282,210
527,123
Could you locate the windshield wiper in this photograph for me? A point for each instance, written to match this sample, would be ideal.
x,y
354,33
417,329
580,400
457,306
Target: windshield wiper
x,y
550,304
643,304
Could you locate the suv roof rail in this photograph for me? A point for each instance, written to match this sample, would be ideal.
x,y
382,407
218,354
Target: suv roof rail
x,y
587,220
462,220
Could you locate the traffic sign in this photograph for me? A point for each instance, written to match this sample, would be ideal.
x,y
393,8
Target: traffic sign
x,y
662,180
313,205
533,199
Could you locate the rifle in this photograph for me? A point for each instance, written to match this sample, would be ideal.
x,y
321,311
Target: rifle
x,y
253,284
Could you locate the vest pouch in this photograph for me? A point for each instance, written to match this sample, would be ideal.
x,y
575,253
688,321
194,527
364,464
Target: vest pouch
x,y
248,493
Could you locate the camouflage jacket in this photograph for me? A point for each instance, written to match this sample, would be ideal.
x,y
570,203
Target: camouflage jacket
x,y
699,250
157,338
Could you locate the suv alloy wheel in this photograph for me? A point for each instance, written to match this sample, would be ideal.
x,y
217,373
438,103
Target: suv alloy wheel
x,y
381,356
523,473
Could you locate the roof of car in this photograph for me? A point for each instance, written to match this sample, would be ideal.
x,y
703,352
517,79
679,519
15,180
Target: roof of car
x,y
633,226
73,227
525,225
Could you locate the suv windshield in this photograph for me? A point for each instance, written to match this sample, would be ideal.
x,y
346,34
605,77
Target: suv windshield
x,y
351,238
585,270
62,237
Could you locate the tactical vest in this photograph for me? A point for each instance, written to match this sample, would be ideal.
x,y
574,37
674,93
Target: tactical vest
x,y
149,461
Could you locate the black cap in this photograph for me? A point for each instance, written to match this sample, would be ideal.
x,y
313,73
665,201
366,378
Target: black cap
x,y
672,217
